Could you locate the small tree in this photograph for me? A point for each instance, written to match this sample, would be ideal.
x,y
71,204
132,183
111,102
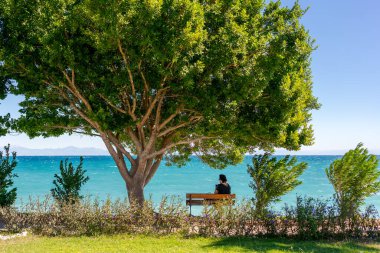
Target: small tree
x,y
354,178
69,182
7,164
273,178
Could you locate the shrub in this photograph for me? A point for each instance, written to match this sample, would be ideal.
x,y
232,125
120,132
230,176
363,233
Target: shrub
x,y
69,182
93,217
315,218
272,178
309,219
225,218
171,216
354,178
369,225
7,164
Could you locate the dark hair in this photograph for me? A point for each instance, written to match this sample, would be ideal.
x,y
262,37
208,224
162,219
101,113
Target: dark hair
x,y
223,178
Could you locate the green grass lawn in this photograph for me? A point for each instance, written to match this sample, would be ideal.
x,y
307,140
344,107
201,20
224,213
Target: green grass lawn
x,y
129,243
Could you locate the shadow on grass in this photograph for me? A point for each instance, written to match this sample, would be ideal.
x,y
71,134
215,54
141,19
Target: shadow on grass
x,y
287,245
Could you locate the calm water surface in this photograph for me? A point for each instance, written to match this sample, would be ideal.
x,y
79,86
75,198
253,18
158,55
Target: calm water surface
x,y
36,176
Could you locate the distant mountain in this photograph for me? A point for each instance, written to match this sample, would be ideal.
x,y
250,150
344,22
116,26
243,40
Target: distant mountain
x,y
320,152
75,151
68,151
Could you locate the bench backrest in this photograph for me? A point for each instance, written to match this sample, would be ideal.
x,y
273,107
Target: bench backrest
x,y
199,199
209,196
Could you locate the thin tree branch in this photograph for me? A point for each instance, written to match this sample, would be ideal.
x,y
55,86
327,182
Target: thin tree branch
x,y
85,133
168,119
125,59
150,171
125,99
75,90
111,104
149,163
164,149
116,142
171,129
135,140
153,135
162,83
78,111
146,86
74,130
158,96
153,169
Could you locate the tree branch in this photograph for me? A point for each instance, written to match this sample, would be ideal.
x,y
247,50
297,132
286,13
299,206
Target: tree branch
x,y
115,141
125,99
171,129
153,134
85,133
165,148
75,90
74,130
153,169
162,83
168,119
111,104
118,158
146,86
135,140
77,110
158,96
125,59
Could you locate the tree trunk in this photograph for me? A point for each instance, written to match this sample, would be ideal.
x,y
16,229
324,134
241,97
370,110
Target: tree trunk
x,y
136,192
138,176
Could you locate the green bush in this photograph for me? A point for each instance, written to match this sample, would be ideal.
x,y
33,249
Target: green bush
x,y
69,182
226,218
309,219
272,178
315,218
94,217
354,178
7,164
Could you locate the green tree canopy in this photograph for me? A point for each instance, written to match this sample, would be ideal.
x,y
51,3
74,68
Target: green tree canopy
x,y
161,78
273,178
355,177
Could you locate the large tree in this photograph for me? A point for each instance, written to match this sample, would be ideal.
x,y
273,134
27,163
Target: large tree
x,y
159,79
5,84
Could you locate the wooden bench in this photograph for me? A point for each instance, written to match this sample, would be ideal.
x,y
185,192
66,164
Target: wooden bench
x,y
200,199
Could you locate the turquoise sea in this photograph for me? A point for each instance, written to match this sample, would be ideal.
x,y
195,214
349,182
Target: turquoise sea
x,y
35,176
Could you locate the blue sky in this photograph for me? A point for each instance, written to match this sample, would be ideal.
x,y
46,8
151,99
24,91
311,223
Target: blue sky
x,y
346,74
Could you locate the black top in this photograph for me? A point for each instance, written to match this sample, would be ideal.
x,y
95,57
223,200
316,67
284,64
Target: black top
x,y
223,189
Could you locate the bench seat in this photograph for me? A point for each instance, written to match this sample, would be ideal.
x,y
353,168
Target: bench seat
x,y
200,199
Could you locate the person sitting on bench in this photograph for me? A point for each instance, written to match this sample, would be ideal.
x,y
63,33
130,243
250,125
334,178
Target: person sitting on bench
x,y
223,187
